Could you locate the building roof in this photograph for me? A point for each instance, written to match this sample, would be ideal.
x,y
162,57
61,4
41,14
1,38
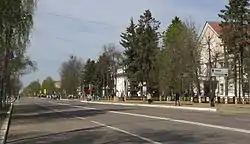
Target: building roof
x,y
216,27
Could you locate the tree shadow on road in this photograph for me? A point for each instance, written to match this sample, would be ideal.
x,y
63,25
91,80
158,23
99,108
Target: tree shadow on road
x,y
98,134
54,115
29,108
178,136
103,135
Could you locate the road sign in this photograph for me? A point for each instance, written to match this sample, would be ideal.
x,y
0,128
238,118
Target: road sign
x,y
44,91
220,72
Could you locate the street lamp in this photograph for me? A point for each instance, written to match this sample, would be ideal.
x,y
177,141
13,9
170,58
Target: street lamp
x,y
107,94
140,86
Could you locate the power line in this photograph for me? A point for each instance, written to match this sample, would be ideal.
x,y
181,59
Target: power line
x,y
80,19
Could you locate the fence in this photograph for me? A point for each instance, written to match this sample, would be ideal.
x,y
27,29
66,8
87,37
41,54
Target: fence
x,y
220,100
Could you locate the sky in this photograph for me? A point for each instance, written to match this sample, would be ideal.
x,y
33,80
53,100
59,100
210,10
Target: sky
x,y
82,27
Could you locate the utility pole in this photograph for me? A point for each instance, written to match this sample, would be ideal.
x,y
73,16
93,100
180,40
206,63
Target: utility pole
x,y
211,93
107,84
226,66
182,74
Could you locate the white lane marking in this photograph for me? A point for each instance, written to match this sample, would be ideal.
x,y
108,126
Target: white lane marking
x,y
126,132
185,122
243,119
110,127
88,108
178,121
57,103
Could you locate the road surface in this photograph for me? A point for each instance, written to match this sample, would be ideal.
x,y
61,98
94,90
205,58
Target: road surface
x,y
39,121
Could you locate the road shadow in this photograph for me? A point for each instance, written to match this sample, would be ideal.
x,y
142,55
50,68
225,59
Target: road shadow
x,y
103,135
28,108
66,112
178,136
98,134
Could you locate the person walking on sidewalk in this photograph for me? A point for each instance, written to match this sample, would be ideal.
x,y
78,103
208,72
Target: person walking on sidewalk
x,y
177,99
149,98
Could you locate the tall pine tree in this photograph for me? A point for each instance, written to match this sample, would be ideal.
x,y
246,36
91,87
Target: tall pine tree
x,y
130,43
148,40
235,35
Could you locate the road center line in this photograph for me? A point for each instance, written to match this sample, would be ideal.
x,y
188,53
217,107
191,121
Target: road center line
x,y
126,132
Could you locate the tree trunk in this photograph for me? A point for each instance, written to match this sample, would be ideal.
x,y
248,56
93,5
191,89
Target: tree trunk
x,y
226,66
239,80
235,75
4,78
197,81
248,84
242,71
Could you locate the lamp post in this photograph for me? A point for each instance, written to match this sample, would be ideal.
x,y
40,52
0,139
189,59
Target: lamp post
x,y
140,86
107,93
182,83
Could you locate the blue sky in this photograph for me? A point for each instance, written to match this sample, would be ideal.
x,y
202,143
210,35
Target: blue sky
x,y
82,27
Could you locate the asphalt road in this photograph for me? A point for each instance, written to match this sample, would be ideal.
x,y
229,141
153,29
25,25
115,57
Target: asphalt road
x,y
37,121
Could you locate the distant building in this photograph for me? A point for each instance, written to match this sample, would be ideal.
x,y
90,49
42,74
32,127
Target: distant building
x,y
121,82
212,31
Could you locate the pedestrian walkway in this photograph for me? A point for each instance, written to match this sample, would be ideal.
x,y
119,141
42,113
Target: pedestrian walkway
x,y
224,108
155,105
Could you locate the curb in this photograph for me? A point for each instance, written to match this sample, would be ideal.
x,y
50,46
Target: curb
x,y
64,99
5,126
69,99
156,106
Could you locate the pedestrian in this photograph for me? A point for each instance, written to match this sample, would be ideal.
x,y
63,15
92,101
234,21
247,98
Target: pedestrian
x,y
149,98
122,96
177,99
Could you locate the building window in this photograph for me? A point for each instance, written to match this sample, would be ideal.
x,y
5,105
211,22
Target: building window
x,y
221,89
221,64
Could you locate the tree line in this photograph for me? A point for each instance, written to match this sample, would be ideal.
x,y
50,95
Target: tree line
x,y
35,88
166,62
16,21
171,66
92,76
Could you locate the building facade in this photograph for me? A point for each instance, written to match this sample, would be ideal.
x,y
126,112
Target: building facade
x,y
121,83
211,41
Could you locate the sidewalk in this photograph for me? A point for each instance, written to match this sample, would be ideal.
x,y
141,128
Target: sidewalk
x,y
159,105
5,122
223,108
234,108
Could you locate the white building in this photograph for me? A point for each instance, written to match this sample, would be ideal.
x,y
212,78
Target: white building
x,y
121,82
211,33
